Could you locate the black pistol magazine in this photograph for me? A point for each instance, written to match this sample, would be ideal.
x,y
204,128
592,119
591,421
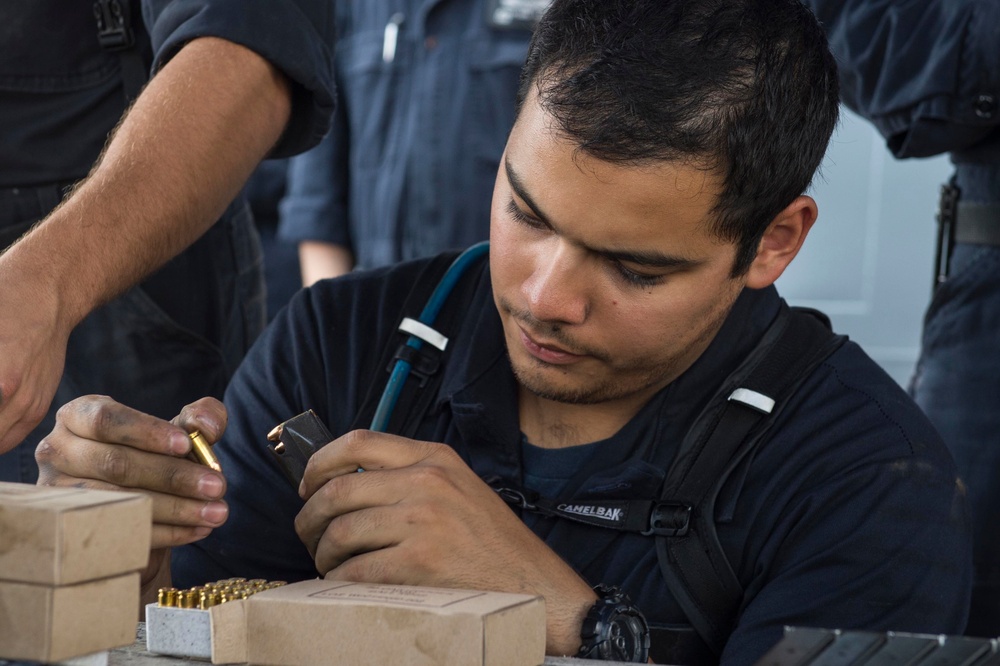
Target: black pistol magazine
x,y
294,442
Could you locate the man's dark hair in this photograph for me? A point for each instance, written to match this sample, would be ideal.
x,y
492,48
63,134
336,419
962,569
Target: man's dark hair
x,y
745,88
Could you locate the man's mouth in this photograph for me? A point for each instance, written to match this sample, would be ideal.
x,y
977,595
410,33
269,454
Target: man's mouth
x,y
546,351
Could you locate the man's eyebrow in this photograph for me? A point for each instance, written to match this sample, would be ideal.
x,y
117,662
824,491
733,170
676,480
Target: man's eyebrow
x,y
650,259
522,193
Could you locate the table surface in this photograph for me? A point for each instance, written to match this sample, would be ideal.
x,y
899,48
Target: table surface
x,y
136,655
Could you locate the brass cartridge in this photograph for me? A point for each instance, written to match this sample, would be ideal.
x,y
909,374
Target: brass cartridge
x,y
201,451
166,596
208,598
188,599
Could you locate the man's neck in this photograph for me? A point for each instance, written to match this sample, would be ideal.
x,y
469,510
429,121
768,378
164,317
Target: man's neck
x,y
555,425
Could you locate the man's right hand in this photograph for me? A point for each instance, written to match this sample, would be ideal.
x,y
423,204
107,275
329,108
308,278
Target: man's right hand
x,y
33,338
99,443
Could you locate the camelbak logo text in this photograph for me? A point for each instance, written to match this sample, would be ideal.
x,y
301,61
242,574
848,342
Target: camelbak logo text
x,y
602,512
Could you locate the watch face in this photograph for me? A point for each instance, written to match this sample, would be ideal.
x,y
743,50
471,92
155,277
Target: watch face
x,y
628,639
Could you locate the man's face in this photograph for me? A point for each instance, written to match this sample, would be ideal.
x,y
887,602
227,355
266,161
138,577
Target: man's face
x,y
608,279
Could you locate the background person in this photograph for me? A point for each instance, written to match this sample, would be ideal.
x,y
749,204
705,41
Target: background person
x,y
927,74
426,95
231,85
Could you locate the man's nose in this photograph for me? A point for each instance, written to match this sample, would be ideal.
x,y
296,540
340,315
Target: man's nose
x,y
557,290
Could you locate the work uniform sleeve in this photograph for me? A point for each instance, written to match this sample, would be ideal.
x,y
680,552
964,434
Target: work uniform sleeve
x,y
925,72
297,36
316,206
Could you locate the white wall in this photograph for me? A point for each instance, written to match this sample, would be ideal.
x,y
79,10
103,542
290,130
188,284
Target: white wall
x,y
868,261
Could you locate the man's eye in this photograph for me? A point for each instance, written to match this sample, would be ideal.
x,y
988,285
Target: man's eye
x,y
519,216
635,279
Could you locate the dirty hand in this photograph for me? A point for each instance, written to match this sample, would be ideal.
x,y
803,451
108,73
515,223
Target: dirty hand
x,y
418,515
99,443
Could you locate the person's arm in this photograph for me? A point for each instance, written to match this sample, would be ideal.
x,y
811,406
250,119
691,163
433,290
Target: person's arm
x,y
926,72
315,211
319,260
178,158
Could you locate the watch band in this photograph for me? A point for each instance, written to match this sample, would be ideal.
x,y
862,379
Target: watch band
x,y
614,628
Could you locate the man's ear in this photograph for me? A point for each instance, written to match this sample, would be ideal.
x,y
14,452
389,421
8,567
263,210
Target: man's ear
x,y
781,242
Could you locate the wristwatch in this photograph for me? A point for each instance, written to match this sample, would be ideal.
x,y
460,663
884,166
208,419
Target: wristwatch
x,y
614,629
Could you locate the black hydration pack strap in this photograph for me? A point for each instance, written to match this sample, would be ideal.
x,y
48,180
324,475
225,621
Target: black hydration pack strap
x,y
116,32
647,517
694,564
420,387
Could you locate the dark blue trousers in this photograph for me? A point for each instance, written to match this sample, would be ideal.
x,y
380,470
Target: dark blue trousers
x,y
957,383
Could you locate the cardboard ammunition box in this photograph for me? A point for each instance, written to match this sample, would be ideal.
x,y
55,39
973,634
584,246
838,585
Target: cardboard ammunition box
x,y
320,621
218,633
45,623
61,536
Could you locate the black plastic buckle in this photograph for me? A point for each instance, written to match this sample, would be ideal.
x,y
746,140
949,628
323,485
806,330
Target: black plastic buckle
x,y
669,519
424,362
114,30
515,498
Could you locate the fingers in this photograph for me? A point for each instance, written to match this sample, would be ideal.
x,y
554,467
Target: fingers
x,y
406,489
98,443
367,450
354,534
101,419
178,521
66,460
378,566
207,416
341,495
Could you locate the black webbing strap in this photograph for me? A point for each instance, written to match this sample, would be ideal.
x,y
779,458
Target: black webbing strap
x,y
646,517
116,20
696,569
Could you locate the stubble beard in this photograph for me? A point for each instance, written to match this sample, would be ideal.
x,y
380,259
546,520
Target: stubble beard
x,y
606,390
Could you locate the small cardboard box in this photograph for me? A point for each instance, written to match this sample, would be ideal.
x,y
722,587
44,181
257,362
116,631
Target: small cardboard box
x,y
218,633
44,623
321,621
61,536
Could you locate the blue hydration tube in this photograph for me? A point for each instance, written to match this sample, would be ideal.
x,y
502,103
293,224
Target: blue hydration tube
x,y
401,370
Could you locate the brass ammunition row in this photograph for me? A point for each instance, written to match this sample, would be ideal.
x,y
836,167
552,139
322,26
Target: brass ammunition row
x,y
205,596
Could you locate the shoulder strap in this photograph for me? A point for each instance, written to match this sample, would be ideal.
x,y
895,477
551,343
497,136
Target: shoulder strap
x,y
696,569
421,385
116,32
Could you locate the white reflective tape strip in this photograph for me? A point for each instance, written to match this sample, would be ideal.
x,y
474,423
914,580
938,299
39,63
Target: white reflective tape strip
x,y
424,332
758,401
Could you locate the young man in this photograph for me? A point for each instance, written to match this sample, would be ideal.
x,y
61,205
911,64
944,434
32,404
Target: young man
x,y
649,195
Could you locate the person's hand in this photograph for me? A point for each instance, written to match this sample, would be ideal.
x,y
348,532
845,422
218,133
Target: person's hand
x,y
99,443
32,354
418,515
